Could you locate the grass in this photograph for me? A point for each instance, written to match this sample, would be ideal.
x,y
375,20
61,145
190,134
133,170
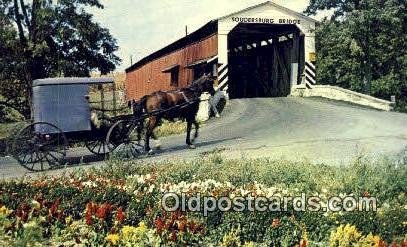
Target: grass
x,y
171,128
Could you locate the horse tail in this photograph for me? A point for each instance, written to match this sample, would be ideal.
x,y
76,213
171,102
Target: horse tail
x,y
139,107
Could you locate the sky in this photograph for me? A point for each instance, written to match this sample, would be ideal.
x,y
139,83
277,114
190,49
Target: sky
x,y
144,26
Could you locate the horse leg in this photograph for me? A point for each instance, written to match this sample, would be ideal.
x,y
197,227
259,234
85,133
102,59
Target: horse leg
x,y
152,123
188,140
196,124
139,128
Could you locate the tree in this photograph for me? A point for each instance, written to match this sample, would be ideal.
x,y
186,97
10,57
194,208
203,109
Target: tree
x,y
46,38
363,46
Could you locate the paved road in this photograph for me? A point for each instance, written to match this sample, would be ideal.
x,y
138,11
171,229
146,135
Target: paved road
x,y
291,128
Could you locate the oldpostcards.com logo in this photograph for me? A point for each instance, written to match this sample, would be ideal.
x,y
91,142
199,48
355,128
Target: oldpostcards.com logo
x,y
174,202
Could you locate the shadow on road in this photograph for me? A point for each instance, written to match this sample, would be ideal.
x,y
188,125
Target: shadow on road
x,y
88,159
84,159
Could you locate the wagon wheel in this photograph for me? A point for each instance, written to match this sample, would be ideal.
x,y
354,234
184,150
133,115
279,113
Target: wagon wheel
x,y
124,139
99,147
40,146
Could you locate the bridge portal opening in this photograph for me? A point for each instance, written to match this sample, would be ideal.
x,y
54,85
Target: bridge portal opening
x,y
264,59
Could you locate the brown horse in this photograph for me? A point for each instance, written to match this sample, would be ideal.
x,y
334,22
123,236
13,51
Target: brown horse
x,y
182,104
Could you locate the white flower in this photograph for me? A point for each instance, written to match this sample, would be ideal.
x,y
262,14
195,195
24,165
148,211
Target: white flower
x,y
89,184
29,224
243,192
151,188
140,179
35,204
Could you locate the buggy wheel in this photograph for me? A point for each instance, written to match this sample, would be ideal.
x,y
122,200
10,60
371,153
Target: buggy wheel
x,y
99,147
124,139
40,146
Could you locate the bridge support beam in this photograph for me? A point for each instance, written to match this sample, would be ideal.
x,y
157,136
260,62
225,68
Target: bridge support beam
x,y
294,60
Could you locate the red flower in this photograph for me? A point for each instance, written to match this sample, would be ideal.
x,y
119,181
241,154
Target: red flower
x,y
23,211
90,210
181,225
159,224
103,211
276,223
173,236
53,211
403,243
88,219
120,215
175,215
194,227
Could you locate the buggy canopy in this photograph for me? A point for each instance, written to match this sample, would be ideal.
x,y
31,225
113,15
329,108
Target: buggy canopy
x,y
72,80
63,102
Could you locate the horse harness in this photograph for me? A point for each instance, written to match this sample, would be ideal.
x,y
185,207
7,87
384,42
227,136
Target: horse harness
x,y
185,97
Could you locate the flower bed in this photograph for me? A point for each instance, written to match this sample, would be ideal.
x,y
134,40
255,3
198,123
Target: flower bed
x,y
120,205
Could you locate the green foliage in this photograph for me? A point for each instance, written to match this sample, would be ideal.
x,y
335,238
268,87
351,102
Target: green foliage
x,y
41,39
363,46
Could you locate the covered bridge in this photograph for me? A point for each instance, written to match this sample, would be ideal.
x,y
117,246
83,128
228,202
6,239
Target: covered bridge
x,y
261,51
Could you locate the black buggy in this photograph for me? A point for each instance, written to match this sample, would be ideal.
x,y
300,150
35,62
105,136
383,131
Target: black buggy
x,y
63,112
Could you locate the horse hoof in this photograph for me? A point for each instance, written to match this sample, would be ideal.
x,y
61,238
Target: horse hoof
x,y
191,146
150,152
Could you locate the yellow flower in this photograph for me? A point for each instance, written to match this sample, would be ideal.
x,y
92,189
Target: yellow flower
x,y
134,234
113,239
68,220
142,226
370,240
75,225
4,211
346,235
128,231
30,224
248,244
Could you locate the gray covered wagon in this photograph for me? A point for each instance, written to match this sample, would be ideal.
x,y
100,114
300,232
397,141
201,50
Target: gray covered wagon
x,y
62,112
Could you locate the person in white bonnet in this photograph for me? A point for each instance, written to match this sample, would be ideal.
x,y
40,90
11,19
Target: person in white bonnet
x,y
214,101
